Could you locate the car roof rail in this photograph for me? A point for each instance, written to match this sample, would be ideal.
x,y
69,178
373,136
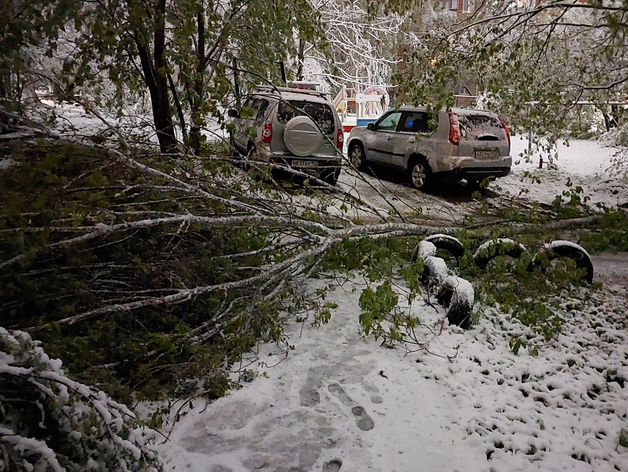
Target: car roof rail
x,y
273,89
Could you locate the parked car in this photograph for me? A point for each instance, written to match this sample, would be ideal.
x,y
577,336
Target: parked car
x,y
296,127
459,144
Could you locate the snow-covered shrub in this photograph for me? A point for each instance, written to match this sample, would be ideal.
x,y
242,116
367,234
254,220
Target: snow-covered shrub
x,y
616,136
50,422
584,122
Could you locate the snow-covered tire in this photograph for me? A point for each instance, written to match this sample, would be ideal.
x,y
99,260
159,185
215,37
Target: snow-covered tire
x,y
573,251
449,243
458,295
497,247
441,241
454,292
423,250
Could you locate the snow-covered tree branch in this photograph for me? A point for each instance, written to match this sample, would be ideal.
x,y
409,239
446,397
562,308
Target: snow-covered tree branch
x,y
51,422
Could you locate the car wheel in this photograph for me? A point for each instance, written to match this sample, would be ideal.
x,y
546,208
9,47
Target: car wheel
x,y
420,174
357,157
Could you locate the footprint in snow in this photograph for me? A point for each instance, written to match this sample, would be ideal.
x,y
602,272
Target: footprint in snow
x,y
374,391
332,466
362,419
309,395
340,394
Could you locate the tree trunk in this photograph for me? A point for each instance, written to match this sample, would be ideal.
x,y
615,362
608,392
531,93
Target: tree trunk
x,y
157,81
616,116
5,85
177,103
608,122
163,120
197,101
300,59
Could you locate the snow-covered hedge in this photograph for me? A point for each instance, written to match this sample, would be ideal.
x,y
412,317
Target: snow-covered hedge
x,y
50,422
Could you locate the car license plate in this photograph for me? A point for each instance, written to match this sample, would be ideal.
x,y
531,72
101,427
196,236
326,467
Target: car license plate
x,y
303,164
485,154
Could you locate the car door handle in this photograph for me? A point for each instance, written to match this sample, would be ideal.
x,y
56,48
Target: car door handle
x,y
388,138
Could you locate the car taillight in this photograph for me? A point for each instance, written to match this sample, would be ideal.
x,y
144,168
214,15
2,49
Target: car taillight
x,y
267,132
454,129
505,129
340,138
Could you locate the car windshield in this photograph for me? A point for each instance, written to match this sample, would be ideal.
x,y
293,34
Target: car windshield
x,y
320,113
481,127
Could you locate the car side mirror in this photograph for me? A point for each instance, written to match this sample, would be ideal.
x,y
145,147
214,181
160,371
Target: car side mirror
x,y
233,113
371,126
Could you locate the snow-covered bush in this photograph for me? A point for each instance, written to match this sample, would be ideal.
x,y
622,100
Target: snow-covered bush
x,y
616,136
50,422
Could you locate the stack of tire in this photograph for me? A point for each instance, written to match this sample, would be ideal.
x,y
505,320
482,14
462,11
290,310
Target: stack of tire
x,y
453,292
457,294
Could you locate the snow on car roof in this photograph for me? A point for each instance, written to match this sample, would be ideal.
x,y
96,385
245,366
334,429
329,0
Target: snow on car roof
x,y
292,94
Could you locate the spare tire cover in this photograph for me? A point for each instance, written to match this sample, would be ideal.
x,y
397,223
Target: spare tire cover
x,y
301,136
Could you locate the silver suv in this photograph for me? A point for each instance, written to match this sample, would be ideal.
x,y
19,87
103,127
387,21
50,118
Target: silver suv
x,y
459,144
295,127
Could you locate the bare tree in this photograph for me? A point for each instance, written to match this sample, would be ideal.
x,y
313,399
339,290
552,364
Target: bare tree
x,y
361,44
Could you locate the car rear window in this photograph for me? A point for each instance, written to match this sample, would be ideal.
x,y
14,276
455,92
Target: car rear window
x,y
481,127
320,113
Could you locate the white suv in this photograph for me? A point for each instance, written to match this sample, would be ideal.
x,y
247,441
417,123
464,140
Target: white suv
x,y
459,144
290,126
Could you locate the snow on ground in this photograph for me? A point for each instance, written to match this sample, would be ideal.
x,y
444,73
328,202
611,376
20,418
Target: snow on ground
x,y
73,122
390,193
339,401
342,402
585,163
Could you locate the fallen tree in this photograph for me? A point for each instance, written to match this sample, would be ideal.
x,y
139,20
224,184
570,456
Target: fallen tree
x,y
117,260
153,274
